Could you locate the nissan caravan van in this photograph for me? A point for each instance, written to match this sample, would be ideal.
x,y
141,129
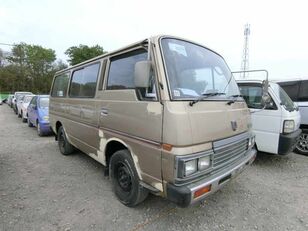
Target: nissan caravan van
x,y
162,115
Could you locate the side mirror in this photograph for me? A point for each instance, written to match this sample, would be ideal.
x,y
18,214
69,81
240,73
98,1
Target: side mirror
x,y
142,74
266,99
34,107
265,87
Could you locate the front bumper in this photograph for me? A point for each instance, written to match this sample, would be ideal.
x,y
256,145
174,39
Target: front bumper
x,y
184,195
45,127
288,141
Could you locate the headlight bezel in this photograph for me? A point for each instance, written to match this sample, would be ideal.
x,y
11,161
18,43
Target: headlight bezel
x,y
182,160
286,129
251,141
45,118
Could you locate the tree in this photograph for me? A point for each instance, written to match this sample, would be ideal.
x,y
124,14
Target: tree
x,y
39,63
31,68
82,53
1,57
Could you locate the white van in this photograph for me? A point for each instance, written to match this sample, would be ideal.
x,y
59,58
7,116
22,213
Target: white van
x,y
276,125
297,89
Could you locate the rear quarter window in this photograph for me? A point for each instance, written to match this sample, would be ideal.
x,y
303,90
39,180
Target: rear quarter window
x,y
60,84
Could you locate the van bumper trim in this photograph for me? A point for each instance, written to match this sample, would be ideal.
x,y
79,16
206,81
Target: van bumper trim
x,y
183,196
288,141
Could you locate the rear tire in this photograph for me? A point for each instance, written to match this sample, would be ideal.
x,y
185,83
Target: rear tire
x,y
125,180
65,147
302,145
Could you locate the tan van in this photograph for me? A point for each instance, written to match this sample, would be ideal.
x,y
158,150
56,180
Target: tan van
x,y
163,115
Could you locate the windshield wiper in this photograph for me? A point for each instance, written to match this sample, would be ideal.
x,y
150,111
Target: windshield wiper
x,y
204,96
233,100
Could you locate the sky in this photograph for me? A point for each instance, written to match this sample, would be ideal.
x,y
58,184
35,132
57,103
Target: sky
x,y
277,42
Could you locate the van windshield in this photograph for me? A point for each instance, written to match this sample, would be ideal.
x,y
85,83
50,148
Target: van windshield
x,y
193,70
285,100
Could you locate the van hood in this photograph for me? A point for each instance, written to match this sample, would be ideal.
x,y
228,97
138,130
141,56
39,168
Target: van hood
x,y
204,122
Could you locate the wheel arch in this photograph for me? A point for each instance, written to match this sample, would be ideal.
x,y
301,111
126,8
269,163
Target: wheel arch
x,y
58,125
113,145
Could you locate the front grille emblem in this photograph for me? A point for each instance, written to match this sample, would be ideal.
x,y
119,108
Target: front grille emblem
x,y
234,125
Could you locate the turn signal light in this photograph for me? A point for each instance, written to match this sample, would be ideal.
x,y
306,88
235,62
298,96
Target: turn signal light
x,y
167,147
202,191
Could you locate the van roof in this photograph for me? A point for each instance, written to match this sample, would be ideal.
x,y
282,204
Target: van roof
x,y
253,81
103,55
290,79
144,41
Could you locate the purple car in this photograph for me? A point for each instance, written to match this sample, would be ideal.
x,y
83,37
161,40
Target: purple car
x,y
38,114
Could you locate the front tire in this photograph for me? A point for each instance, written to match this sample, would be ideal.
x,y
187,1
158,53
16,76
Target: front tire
x,y
24,120
125,180
29,123
39,130
301,146
65,147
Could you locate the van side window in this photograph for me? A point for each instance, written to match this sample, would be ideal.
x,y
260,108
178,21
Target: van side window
x,y
122,67
303,91
60,85
253,97
83,84
291,88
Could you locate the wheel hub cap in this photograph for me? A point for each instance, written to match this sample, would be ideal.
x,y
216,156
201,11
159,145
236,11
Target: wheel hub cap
x,y
302,144
124,178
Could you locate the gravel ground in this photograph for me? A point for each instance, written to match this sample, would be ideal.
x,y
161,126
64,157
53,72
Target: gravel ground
x,y
40,189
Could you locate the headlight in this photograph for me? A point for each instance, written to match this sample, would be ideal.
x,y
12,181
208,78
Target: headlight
x,y
190,167
194,163
46,118
288,126
204,162
251,141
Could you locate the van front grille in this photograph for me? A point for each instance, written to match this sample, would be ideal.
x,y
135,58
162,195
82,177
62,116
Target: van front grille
x,y
228,154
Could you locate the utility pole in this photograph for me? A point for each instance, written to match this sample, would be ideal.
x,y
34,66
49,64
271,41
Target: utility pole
x,y
245,57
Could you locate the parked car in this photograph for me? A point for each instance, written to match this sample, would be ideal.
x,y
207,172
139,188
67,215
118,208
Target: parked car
x,y
20,102
276,125
162,115
24,107
297,89
12,103
17,97
9,100
38,114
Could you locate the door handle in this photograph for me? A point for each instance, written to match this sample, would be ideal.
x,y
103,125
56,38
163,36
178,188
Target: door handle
x,y
104,112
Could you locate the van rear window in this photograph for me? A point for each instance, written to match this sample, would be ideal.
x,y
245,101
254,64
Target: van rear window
x,y
59,88
84,82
